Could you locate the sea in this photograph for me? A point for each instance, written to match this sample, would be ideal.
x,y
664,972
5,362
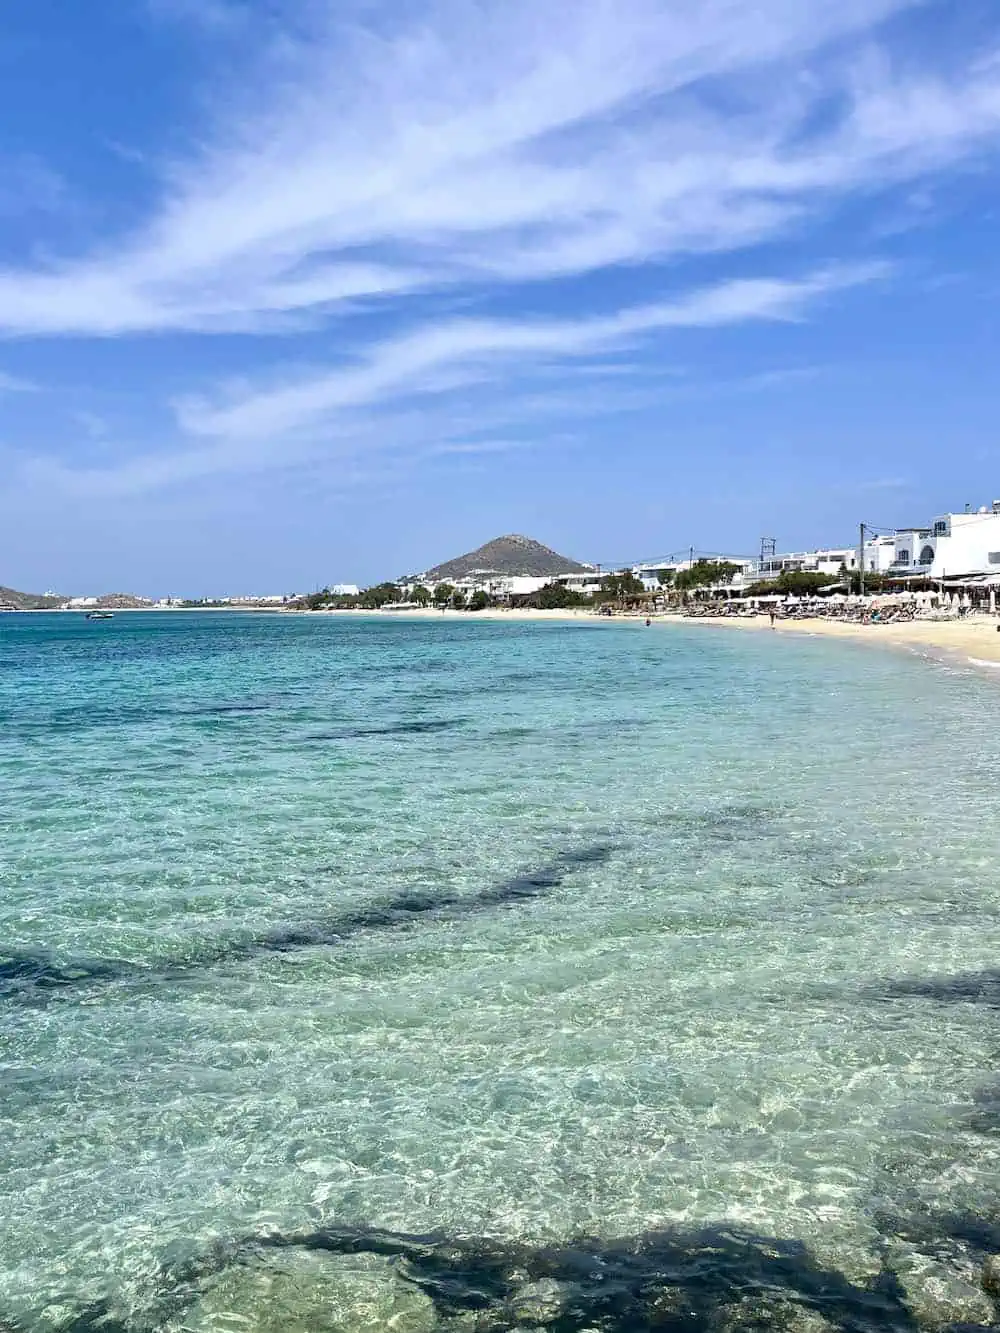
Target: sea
x,y
540,975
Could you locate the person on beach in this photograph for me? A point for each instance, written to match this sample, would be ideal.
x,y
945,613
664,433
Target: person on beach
x,y
772,613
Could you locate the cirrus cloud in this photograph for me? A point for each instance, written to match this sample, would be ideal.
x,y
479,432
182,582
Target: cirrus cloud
x,y
477,142
439,194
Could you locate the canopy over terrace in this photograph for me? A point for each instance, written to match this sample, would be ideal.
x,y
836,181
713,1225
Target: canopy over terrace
x,y
975,579
971,581
978,591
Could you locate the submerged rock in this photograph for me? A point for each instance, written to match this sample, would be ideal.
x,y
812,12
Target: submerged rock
x,y
539,1302
991,1275
304,1292
757,1313
665,1304
937,1294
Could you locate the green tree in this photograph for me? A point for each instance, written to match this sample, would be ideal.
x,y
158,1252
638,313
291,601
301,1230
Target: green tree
x,y
556,597
380,595
792,582
705,573
458,599
420,595
443,594
873,582
479,601
665,577
619,587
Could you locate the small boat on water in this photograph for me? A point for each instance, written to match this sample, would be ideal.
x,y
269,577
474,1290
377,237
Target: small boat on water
x,y
100,615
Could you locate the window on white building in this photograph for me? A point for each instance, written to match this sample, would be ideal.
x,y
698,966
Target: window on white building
x,y
994,557
941,528
927,555
903,558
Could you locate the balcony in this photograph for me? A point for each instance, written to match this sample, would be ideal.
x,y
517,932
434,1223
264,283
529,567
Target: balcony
x,y
909,567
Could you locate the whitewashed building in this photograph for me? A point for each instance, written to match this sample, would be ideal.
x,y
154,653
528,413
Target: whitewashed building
x,y
585,584
880,555
648,572
499,587
954,545
266,599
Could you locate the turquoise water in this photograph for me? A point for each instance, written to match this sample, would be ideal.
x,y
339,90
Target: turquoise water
x,y
487,929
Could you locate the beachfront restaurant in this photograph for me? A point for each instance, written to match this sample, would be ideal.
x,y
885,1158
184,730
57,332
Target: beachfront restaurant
x,y
974,592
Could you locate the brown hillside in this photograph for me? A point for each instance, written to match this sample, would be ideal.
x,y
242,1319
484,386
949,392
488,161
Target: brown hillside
x,y
511,555
28,601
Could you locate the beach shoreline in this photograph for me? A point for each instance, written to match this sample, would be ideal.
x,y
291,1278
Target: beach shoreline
x,y
975,640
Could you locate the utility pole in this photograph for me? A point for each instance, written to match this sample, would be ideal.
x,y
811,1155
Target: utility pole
x,y
861,561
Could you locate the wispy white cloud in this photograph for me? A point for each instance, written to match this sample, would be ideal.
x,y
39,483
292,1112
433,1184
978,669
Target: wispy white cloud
x,y
459,155
376,403
474,447
779,378
94,426
15,384
445,355
215,16
471,141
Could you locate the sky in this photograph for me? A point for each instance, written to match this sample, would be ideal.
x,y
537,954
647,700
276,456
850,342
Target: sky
x,y
295,292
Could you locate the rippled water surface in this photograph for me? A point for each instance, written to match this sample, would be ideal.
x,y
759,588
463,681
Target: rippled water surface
x,y
488,929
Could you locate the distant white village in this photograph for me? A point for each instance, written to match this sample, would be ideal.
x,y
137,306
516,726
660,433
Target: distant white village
x,y
956,551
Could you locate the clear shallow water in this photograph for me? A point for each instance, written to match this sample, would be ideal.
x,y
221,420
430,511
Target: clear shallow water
x,y
492,929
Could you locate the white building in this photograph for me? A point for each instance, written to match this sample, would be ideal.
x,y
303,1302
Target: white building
x,y
267,599
501,587
879,556
648,572
954,545
344,589
584,584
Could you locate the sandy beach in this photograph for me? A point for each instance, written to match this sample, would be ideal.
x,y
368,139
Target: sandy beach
x,y
977,640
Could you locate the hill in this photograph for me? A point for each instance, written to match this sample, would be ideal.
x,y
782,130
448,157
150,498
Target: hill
x,y
28,601
122,601
511,555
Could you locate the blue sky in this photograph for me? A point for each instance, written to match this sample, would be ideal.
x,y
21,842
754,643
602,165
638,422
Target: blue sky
x,y
298,291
